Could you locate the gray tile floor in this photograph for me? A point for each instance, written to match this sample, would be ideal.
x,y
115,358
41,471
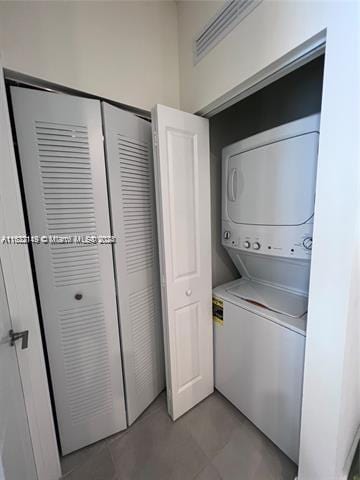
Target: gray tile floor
x,y
214,441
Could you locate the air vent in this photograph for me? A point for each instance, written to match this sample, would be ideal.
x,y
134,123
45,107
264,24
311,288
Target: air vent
x,y
227,18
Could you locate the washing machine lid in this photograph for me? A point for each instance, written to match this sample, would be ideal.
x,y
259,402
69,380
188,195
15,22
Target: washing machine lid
x,y
282,273
273,184
271,298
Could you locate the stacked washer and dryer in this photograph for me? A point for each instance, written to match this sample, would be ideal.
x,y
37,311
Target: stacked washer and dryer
x,y
268,193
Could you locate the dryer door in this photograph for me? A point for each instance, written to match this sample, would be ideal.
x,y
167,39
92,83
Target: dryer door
x,y
273,184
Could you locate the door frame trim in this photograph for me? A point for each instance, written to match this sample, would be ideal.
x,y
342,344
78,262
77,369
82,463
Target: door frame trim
x,y
22,305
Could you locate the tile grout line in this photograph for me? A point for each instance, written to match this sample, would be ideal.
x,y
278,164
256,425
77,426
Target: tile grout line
x,y
206,466
210,458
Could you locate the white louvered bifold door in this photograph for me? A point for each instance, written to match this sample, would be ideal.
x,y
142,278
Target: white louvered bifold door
x,y
130,172
62,162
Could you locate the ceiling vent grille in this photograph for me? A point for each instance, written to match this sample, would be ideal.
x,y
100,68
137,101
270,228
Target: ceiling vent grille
x,y
221,24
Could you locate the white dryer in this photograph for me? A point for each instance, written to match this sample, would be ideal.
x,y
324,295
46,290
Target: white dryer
x,y
268,193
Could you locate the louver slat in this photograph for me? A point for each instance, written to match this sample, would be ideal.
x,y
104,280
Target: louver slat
x,y
75,266
85,327
225,20
138,222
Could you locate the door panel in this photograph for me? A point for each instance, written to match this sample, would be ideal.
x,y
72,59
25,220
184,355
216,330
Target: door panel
x,y
187,333
183,206
131,187
182,170
16,454
62,163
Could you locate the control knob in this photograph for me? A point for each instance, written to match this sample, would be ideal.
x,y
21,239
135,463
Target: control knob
x,y
246,244
227,235
307,243
256,246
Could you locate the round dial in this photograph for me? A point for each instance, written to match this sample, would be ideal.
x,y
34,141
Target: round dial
x,y
307,243
227,235
256,246
246,244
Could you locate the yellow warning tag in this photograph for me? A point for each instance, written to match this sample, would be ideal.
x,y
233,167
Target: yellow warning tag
x,y
218,309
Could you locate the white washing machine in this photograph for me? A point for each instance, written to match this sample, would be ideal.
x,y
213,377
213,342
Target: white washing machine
x,y
268,192
259,355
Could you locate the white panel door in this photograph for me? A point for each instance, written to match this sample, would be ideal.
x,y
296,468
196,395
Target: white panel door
x,y
182,179
131,188
16,454
62,163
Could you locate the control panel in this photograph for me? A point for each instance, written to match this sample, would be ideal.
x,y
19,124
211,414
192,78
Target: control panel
x,y
284,241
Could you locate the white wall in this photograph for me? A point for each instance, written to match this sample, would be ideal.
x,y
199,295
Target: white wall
x,y
268,33
195,81
330,384
125,51
350,413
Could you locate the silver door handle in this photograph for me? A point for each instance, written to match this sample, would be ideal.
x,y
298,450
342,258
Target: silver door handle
x,y
188,292
14,336
232,185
